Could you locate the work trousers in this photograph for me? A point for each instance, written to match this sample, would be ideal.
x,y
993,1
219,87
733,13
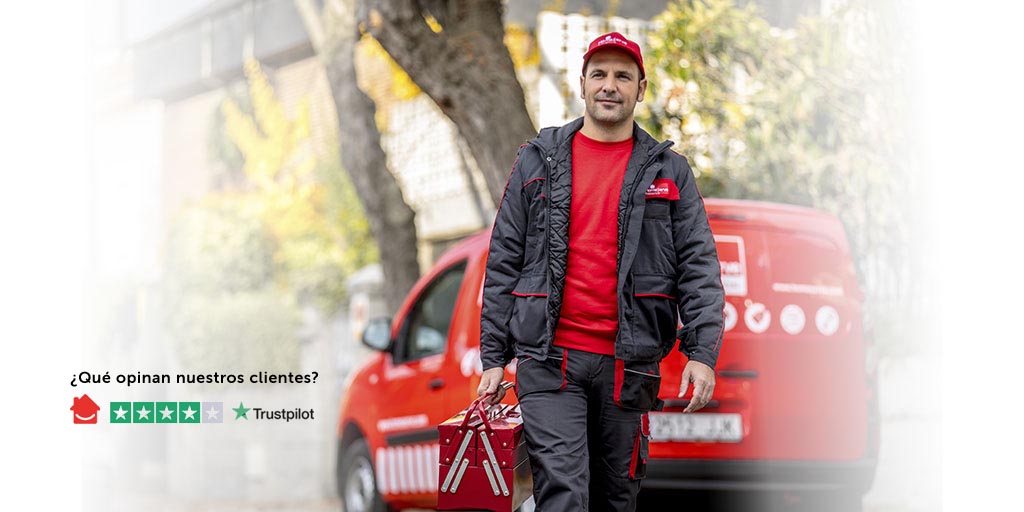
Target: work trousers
x,y
586,452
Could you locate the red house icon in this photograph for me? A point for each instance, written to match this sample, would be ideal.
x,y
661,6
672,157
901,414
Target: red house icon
x,y
85,409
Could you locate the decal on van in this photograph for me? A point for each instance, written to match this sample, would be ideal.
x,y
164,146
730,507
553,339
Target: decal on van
x,y
792,319
407,469
733,260
757,317
827,320
401,423
471,363
808,289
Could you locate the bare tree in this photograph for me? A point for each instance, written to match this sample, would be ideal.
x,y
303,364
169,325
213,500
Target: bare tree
x,y
462,63
333,33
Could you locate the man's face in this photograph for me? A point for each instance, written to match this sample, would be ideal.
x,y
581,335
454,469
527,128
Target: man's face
x,y
612,87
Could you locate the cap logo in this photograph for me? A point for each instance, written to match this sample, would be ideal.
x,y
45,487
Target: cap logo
x,y
610,39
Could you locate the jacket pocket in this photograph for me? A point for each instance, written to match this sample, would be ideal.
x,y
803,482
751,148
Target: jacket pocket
x,y
658,255
533,376
637,385
529,310
656,209
655,315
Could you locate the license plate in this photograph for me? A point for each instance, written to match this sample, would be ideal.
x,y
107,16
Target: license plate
x,y
705,427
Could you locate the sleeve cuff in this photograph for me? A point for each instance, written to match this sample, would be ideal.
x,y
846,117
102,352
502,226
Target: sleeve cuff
x,y
689,346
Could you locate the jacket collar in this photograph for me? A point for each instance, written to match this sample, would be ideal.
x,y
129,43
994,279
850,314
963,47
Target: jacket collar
x,y
556,139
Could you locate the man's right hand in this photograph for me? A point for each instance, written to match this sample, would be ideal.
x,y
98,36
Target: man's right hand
x,y
490,383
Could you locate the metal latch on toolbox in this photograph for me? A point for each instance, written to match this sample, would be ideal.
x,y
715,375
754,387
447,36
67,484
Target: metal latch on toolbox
x,y
494,461
456,463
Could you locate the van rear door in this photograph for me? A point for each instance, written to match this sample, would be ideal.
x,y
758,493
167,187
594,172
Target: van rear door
x,y
790,376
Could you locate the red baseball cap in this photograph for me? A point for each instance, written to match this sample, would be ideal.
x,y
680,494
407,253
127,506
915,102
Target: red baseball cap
x,y
617,41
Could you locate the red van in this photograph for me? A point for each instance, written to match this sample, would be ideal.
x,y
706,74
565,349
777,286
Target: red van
x,y
794,406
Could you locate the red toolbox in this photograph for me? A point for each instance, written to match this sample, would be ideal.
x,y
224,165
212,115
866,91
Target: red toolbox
x,y
483,460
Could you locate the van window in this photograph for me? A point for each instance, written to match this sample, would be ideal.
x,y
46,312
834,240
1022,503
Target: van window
x,y
808,264
425,330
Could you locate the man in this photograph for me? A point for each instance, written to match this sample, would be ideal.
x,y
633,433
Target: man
x,y
600,239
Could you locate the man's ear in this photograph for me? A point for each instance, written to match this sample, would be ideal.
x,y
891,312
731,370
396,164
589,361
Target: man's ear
x,y
583,94
640,92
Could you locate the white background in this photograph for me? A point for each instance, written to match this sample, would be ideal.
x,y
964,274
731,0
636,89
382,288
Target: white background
x,y
44,106
972,87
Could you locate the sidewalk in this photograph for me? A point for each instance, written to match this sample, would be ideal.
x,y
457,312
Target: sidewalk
x,y
910,459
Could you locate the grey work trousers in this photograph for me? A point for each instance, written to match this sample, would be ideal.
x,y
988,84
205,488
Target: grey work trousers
x,y
586,452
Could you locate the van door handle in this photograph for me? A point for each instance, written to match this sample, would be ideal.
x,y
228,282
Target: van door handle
x,y
738,374
437,383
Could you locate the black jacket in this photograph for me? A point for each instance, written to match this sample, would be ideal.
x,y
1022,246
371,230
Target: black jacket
x,y
667,260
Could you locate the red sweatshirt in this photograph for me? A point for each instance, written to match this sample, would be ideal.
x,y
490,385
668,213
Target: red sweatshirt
x,y
589,318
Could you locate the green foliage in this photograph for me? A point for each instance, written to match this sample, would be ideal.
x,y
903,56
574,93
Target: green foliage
x,y
305,200
754,107
810,116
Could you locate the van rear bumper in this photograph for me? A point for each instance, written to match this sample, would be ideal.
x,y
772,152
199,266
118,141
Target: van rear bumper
x,y
756,475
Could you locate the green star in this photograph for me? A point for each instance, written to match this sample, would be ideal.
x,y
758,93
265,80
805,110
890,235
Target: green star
x,y
241,411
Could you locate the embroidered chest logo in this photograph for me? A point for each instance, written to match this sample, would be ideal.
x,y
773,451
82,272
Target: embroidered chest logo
x,y
662,188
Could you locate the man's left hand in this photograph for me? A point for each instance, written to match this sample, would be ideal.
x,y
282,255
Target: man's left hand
x,y
703,378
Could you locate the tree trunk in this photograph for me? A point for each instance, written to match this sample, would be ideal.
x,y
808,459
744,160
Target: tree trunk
x,y
465,68
334,35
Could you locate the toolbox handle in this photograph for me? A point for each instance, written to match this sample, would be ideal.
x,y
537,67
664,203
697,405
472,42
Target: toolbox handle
x,y
475,407
480,409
